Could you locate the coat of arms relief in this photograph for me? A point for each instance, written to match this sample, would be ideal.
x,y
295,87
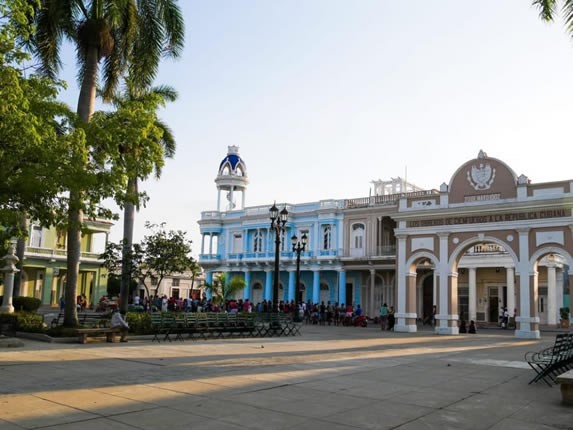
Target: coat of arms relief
x,y
481,175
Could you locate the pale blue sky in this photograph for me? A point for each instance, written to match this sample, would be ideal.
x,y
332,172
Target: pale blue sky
x,y
322,96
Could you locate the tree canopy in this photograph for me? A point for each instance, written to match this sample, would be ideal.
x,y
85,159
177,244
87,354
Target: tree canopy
x,y
161,253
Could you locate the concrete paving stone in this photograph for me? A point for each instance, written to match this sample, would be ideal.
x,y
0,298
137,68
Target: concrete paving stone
x,y
323,406
94,401
29,411
147,394
264,419
94,424
466,418
213,408
547,411
426,397
216,425
383,415
519,424
154,419
380,391
5,425
258,399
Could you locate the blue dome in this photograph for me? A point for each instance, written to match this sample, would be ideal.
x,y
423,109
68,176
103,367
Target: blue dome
x,y
233,164
233,160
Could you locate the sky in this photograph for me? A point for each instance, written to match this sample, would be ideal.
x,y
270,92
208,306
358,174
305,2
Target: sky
x,y
324,96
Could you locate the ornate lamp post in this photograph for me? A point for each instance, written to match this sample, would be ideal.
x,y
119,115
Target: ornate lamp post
x,y
278,224
298,247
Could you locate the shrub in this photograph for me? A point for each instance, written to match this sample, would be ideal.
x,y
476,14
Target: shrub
x,y
564,313
139,322
30,322
27,304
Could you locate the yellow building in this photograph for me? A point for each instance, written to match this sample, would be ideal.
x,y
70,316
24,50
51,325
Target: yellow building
x,y
44,264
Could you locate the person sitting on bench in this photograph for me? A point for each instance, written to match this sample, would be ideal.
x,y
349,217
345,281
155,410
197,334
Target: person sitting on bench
x,y
118,320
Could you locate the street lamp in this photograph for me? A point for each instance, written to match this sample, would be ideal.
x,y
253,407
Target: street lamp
x,y
298,247
278,224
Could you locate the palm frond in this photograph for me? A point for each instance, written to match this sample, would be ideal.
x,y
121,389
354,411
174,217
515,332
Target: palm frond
x,y
567,12
546,9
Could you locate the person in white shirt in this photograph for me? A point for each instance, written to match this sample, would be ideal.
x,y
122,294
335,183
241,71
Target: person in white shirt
x,y
118,320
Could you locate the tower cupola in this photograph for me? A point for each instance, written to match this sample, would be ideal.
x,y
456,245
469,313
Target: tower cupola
x,y
231,179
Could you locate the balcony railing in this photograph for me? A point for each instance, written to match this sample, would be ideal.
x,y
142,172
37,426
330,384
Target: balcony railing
x,y
58,253
387,200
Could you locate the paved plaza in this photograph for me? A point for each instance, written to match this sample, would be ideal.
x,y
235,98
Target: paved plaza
x,y
329,378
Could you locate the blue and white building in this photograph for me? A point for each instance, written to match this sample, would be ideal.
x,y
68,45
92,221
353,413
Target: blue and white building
x,y
486,239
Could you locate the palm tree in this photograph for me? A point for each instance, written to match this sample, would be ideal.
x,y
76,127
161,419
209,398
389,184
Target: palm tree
x,y
157,96
548,11
116,36
223,289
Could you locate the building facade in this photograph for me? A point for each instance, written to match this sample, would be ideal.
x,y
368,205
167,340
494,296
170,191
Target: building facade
x,y
45,258
486,240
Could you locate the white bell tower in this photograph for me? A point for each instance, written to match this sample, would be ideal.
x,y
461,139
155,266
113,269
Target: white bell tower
x,y
232,179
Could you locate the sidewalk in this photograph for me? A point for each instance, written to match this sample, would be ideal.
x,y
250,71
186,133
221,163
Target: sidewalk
x,y
329,378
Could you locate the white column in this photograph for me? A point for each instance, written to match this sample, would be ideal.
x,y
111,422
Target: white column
x,y
402,271
472,294
559,289
435,287
442,326
218,200
551,295
510,281
243,200
203,244
210,243
525,319
373,312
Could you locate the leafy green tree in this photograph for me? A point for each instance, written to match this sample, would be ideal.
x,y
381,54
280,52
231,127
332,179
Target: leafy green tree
x,y
162,145
35,135
223,289
118,37
161,253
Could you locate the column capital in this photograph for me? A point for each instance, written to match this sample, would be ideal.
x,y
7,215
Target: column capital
x,y
401,236
443,234
523,230
372,271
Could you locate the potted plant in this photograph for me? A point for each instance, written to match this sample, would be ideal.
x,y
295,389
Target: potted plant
x,y
564,314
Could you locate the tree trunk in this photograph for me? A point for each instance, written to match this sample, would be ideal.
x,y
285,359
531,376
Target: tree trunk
x,y
75,220
20,251
128,221
86,106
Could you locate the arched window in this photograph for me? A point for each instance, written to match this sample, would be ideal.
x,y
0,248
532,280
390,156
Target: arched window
x,y
258,242
357,240
326,236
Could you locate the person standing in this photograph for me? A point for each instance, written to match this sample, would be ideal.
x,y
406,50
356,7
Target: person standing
x,y
391,318
383,316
